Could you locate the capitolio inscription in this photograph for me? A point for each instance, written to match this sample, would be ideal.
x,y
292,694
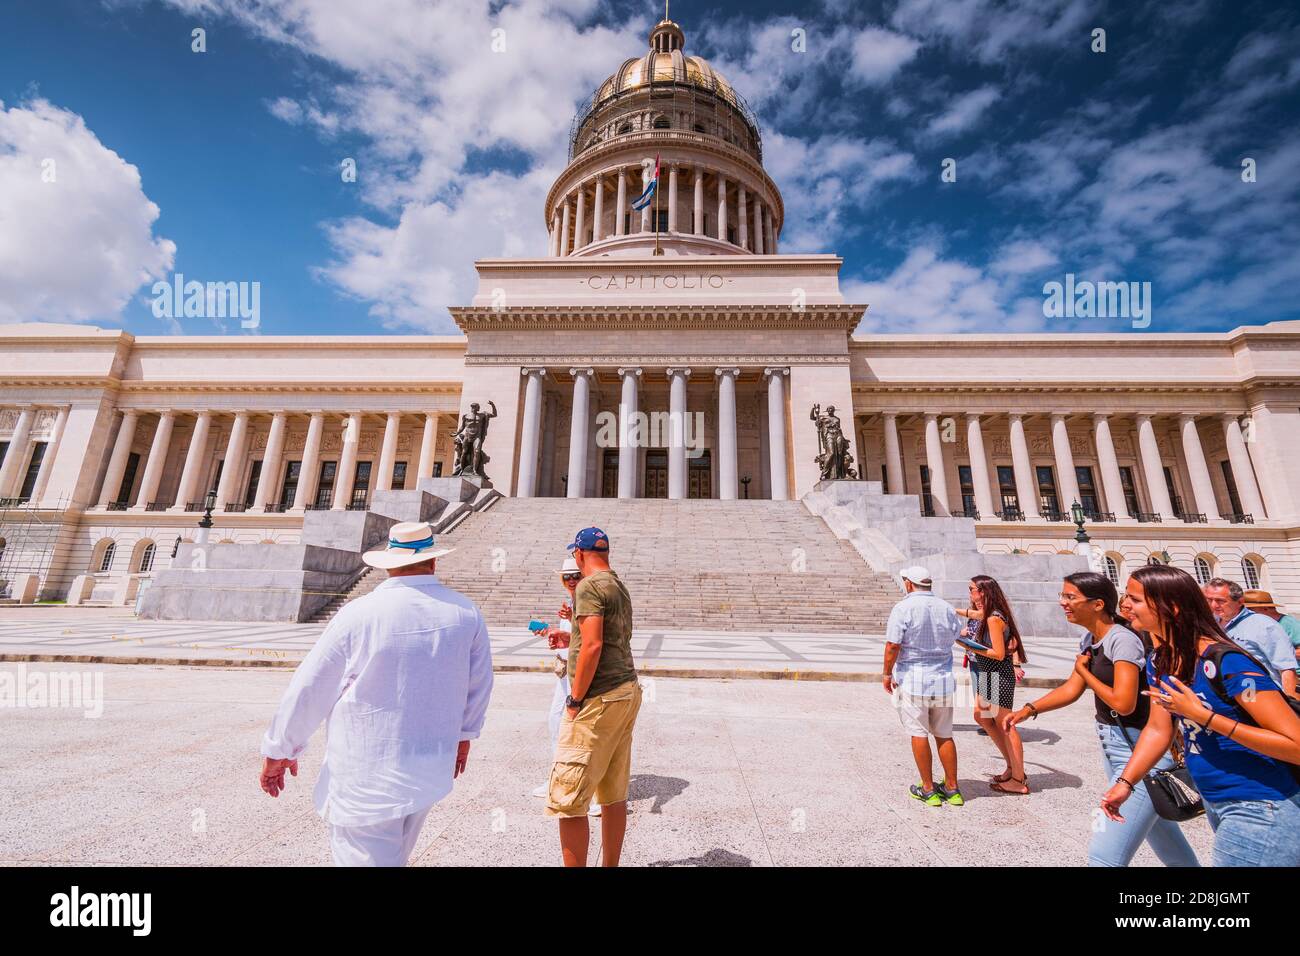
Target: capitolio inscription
x,y
653,283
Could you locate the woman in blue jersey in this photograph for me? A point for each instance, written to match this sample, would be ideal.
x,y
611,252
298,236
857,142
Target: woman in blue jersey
x,y
1240,736
1112,665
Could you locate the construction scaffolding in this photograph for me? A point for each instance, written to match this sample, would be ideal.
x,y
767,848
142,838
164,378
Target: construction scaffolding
x,y
29,537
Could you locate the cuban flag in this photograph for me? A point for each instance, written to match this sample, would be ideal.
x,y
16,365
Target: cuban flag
x,y
643,200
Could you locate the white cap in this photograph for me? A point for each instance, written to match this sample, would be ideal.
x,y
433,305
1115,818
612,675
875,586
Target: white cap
x,y
916,574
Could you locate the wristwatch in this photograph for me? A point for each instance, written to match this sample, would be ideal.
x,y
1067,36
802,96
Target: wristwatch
x,y
569,701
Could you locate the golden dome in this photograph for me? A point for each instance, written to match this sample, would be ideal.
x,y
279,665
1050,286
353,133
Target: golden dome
x,y
663,64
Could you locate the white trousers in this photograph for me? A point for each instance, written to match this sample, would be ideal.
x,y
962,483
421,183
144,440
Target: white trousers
x,y
381,844
556,715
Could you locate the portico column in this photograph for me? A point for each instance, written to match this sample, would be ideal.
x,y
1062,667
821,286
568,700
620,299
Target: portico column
x,y
530,432
1202,488
776,445
346,474
16,457
598,211
309,472
1067,481
628,437
727,467
699,200
194,462
270,476
769,230
51,450
1111,482
934,459
979,468
388,452
893,455
428,446
232,470
677,431
1022,465
1149,451
646,176
1242,472
758,226
722,207
672,198
564,228
153,469
742,214
580,226
620,205
117,463
579,429
555,233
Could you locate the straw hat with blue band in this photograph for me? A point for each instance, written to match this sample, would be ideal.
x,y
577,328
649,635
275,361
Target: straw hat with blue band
x,y
409,542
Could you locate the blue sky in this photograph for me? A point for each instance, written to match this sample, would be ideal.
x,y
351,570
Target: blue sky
x,y
1123,165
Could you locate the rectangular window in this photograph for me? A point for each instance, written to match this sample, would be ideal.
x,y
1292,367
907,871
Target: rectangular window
x,y
216,480
360,486
1048,501
254,477
292,475
662,219
33,469
1007,490
437,469
884,480
399,475
325,484
128,479
731,235
1087,490
927,501
1234,500
967,482
1174,500
4,452
1130,490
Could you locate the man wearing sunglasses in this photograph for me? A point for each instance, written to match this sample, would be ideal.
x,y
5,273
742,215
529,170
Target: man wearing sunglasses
x,y
594,756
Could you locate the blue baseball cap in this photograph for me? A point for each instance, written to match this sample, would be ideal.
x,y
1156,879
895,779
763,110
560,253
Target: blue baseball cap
x,y
590,539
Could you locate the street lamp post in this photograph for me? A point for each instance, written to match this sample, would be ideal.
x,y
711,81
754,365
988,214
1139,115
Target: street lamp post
x,y
1081,540
205,523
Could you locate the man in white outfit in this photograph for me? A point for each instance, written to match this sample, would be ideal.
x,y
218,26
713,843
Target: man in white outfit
x,y
401,677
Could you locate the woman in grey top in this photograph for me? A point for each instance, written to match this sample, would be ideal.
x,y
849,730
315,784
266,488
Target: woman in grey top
x,y
1111,664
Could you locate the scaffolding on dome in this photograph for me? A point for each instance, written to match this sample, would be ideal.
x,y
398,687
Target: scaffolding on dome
x,y
699,90
28,538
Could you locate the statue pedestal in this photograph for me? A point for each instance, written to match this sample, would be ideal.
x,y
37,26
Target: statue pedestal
x,y
459,488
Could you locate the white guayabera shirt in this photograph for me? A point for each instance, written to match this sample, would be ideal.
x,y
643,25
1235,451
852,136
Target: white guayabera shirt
x,y
400,676
924,626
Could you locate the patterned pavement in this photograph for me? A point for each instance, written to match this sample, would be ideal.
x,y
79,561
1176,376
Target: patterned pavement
x,y
115,633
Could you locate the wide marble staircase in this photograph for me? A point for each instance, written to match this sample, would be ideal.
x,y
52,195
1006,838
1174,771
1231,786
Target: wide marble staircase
x,y
706,565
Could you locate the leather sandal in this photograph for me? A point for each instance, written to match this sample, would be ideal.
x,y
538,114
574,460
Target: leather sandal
x,y
997,786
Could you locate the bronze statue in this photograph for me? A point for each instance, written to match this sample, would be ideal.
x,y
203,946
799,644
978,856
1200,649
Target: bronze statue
x,y
835,461
471,460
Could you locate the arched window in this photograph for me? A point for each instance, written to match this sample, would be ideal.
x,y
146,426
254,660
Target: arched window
x,y
625,128
106,562
1158,557
1204,571
1250,573
699,128
661,122
146,558
1112,570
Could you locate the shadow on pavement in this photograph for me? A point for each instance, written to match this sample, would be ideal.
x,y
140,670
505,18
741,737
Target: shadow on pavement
x,y
715,857
644,786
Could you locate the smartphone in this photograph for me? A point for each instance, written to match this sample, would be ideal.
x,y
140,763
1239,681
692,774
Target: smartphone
x,y
537,626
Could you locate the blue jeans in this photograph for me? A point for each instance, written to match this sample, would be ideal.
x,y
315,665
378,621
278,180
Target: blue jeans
x,y
1256,832
1113,843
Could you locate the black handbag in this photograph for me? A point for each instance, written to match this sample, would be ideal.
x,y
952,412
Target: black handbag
x,y
1173,793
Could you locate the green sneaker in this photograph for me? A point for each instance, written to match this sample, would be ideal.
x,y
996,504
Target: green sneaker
x,y
930,799
951,797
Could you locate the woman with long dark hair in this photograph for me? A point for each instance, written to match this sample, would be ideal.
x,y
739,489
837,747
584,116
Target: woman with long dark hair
x,y
1112,664
993,676
1240,736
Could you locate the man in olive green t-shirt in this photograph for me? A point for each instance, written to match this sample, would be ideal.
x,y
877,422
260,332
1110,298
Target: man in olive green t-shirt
x,y
594,754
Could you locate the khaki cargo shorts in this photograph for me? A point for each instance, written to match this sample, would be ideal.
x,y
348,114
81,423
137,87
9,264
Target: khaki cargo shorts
x,y
594,755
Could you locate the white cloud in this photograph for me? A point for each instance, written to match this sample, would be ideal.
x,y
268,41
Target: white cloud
x,y
75,249
1023,257
988,30
878,54
964,111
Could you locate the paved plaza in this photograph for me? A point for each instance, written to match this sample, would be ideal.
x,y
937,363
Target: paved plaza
x,y
726,773
89,634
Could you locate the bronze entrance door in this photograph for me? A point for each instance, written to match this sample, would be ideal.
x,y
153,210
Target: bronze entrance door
x,y
656,473
699,476
609,474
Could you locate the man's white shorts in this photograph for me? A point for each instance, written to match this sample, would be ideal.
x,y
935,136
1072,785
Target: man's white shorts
x,y
924,716
381,844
